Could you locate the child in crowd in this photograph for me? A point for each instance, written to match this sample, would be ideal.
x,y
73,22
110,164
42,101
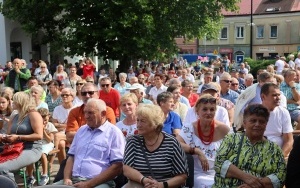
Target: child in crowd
x,y
47,146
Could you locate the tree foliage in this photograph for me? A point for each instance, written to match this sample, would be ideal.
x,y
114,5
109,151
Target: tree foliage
x,y
119,29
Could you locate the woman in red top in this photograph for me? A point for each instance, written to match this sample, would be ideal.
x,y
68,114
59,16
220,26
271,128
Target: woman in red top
x,y
88,68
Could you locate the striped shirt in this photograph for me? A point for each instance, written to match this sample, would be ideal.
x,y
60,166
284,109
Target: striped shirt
x,y
167,161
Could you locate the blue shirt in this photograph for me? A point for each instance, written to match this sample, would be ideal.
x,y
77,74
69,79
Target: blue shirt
x,y
230,95
172,122
287,91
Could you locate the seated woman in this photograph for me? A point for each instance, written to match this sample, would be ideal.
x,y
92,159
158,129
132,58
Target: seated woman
x,y
24,127
150,145
248,159
172,124
37,92
128,105
179,108
202,138
5,112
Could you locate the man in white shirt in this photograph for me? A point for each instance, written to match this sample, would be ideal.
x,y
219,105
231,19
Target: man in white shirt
x,y
297,61
279,65
279,128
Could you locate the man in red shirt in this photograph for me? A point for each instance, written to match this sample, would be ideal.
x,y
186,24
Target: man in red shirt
x,y
110,95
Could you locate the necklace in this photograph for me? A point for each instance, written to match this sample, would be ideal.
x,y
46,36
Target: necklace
x,y
153,143
206,140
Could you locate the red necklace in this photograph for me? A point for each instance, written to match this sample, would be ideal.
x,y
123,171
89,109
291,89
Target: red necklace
x,y
209,138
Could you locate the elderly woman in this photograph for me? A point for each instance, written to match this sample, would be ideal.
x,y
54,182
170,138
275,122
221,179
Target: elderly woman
x,y
188,92
43,76
179,108
60,74
53,98
37,92
249,159
24,127
150,145
173,123
123,85
202,138
128,105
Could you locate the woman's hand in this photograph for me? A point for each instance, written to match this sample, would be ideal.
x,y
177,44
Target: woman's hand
x,y
11,138
203,159
152,183
253,181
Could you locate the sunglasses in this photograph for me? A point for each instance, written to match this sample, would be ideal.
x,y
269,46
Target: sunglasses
x,y
234,84
104,85
83,93
227,81
208,100
79,84
65,95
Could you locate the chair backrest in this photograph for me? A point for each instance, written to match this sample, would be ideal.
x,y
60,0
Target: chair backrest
x,y
190,180
6,182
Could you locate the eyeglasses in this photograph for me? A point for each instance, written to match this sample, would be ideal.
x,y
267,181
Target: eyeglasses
x,y
227,81
83,93
79,84
208,100
65,95
234,84
104,85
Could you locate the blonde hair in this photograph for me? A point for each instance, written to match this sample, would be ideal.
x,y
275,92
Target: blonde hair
x,y
129,96
42,63
153,114
26,103
38,88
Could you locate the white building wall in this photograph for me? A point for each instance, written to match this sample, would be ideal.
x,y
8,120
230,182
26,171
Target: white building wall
x,y
3,43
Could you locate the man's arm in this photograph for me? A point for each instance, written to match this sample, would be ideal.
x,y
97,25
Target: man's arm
x,y
287,143
68,171
25,75
109,174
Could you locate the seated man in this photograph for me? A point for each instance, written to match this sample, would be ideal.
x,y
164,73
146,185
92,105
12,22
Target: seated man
x,y
96,154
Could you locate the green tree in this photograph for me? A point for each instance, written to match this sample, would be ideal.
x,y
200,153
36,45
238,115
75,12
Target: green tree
x,y
119,29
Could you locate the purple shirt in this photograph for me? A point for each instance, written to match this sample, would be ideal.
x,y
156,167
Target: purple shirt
x,y
95,150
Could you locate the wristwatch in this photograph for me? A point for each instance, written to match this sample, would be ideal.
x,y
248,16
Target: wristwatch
x,y
166,185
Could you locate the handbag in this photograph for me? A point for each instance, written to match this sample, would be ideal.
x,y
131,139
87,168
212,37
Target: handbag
x,y
11,150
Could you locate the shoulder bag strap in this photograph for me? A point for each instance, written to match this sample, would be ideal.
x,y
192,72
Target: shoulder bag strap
x,y
146,158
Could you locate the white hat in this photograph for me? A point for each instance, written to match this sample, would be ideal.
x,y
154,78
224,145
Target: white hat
x,y
136,86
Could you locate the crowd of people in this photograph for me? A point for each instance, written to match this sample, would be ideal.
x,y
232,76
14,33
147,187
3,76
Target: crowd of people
x,y
142,123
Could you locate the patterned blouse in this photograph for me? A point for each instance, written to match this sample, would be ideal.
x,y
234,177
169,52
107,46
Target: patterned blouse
x,y
263,159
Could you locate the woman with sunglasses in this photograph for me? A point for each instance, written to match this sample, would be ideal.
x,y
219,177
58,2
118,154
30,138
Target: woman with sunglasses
x,y
43,76
78,98
60,118
202,138
248,159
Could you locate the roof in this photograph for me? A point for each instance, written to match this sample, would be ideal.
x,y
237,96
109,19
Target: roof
x,y
265,7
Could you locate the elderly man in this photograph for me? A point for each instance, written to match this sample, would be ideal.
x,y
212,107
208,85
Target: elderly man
x,y
279,128
139,91
18,76
96,154
208,77
291,91
110,95
226,92
188,92
249,80
133,80
142,79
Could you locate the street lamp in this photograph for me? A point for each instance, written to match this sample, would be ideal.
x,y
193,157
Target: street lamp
x,y
251,28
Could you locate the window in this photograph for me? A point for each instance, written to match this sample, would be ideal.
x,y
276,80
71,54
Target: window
x,y
224,33
239,32
260,31
273,31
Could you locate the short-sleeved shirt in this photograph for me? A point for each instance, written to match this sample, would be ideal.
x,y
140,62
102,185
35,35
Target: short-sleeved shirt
x,y
51,129
167,161
154,91
279,123
122,90
111,99
172,122
52,103
95,150
230,95
287,91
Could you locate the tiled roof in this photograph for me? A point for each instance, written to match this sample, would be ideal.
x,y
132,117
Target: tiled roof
x,y
260,7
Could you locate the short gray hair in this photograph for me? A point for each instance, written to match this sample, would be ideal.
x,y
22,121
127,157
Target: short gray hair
x,y
70,90
122,74
100,104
